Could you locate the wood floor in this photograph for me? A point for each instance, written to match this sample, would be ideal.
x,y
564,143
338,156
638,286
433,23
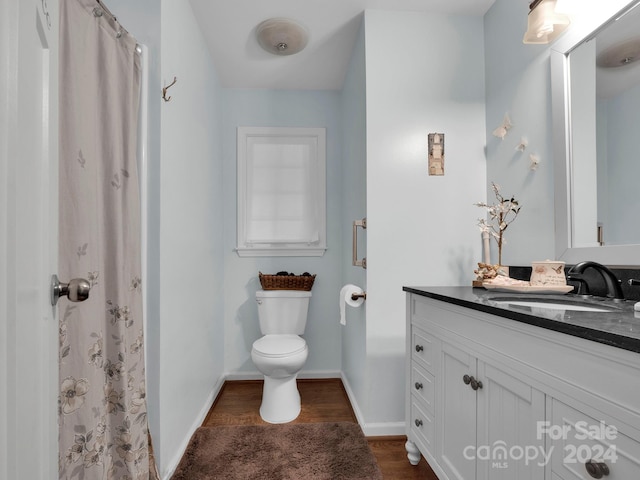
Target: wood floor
x,y
322,401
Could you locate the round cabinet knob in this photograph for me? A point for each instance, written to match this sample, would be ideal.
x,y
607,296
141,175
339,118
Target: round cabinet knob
x,y
418,385
476,384
419,348
596,469
466,379
418,422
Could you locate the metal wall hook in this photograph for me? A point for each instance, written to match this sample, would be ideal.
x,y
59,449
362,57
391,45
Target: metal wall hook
x,y
164,89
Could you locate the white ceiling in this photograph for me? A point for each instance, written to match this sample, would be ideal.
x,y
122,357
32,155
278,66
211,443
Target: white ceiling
x,y
229,29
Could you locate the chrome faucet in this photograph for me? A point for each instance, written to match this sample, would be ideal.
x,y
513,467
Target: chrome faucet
x,y
614,289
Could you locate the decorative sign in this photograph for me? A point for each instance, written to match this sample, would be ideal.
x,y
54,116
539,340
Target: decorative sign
x,y
436,154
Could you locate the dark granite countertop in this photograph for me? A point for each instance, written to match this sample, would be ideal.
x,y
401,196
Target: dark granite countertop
x,y
619,326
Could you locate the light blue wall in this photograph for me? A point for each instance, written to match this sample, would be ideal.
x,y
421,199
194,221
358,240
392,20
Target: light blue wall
x,y
424,74
354,191
282,108
191,242
518,83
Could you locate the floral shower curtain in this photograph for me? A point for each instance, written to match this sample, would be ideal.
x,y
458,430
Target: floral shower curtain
x,y
103,430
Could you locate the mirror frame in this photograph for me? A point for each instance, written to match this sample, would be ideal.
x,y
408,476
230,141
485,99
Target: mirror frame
x,y
580,31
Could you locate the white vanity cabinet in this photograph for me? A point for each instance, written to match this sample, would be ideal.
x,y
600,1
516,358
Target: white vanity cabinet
x,y
489,396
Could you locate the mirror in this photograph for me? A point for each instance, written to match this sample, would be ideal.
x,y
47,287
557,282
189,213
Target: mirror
x,y
596,102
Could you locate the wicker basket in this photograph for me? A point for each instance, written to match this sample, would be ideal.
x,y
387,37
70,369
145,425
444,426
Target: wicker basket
x,y
286,282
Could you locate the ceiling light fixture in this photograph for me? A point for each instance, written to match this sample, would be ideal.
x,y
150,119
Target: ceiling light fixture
x,y
544,24
620,54
282,36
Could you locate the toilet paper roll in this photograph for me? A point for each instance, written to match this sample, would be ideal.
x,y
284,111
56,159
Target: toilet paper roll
x,y
345,299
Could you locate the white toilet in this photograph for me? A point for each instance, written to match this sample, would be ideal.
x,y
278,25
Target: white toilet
x,y
281,353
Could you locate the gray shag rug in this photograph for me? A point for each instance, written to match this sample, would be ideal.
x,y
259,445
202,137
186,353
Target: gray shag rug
x,y
315,451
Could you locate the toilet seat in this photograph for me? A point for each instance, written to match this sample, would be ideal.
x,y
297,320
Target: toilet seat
x,y
278,346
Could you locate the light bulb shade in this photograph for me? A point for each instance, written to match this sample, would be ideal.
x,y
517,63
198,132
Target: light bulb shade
x,y
282,36
543,23
567,7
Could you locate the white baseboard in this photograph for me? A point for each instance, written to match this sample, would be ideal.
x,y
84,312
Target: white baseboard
x,y
243,376
320,374
302,375
384,429
173,464
381,429
353,401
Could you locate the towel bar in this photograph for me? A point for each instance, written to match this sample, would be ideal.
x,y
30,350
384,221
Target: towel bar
x,y
358,223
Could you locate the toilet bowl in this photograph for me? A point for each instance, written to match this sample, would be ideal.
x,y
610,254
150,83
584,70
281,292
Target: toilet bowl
x,y
279,358
281,353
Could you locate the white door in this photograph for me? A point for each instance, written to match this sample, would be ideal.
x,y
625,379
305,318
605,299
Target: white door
x,y
28,239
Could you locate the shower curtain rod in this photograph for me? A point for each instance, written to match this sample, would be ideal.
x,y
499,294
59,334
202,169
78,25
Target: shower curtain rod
x,y
121,29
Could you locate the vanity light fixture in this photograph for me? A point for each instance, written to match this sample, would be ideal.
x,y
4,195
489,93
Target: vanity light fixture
x,y
544,24
282,36
568,7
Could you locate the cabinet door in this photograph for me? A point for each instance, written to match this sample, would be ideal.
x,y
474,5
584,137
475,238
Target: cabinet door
x,y
577,439
457,414
508,414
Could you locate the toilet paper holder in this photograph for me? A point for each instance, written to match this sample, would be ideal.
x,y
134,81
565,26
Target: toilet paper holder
x,y
356,296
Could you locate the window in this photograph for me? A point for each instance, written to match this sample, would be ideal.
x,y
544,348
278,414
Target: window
x,y
281,191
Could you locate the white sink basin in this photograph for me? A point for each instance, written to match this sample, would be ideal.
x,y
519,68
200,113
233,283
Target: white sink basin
x,y
554,305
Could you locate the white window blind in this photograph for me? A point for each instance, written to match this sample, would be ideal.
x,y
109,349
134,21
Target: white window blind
x,y
281,191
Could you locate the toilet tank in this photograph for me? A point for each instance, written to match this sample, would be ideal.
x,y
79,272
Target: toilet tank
x,y
282,311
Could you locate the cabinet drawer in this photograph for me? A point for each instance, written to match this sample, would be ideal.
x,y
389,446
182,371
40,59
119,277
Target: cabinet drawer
x,y
423,349
422,386
577,438
422,427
